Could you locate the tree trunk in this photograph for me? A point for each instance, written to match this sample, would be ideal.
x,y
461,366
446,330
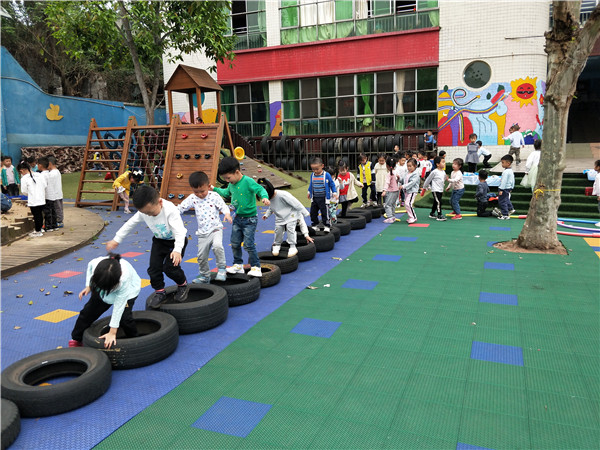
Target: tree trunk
x,y
568,47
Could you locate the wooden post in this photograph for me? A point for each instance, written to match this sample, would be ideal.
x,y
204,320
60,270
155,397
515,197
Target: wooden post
x,y
175,122
226,125
218,116
124,154
191,106
170,95
199,101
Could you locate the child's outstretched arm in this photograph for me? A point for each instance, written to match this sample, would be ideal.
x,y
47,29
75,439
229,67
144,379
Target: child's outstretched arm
x,y
186,204
124,231
428,180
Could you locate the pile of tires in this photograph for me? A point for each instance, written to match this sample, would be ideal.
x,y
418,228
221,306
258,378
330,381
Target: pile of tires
x,y
240,288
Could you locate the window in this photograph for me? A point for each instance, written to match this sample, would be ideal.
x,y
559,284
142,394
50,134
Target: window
x,y
317,20
382,101
248,23
477,74
247,108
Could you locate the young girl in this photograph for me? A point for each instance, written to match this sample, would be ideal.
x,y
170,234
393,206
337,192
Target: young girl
x,y
34,185
596,188
390,191
333,202
458,187
401,172
122,185
410,185
288,212
533,161
347,191
111,281
380,171
364,171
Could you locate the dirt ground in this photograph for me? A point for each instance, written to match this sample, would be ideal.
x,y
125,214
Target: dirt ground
x,y
19,210
511,246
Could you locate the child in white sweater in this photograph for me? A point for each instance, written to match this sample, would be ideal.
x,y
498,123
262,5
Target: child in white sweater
x,y
458,187
436,180
33,184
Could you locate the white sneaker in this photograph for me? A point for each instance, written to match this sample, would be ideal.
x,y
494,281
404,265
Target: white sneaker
x,y
255,272
36,234
511,212
326,229
293,251
236,268
275,250
315,228
364,205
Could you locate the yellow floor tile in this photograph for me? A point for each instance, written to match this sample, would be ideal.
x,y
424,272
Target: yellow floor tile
x,y
145,282
269,232
57,315
594,242
195,260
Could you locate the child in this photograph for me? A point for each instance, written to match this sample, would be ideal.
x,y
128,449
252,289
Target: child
x,y
333,202
533,161
56,179
168,243
410,185
347,192
596,188
390,191
111,281
32,161
401,171
425,166
507,183
472,148
34,185
482,195
243,191
516,141
207,205
380,171
10,177
50,222
288,212
436,179
122,185
364,176
320,190
429,140
458,187
485,153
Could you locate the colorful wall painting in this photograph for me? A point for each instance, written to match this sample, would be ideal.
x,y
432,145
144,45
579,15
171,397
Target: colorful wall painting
x,y
275,116
489,113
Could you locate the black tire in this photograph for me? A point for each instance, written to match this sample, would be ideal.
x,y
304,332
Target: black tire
x,y
421,142
398,141
376,211
352,145
304,163
286,265
363,212
278,162
158,338
241,289
265,145
206,307
344,226
306,250
337,234
291,163
299,146
357,221
324,145
367,145
11,423
382,144
360,145
345,145
324,242
271,275
20,381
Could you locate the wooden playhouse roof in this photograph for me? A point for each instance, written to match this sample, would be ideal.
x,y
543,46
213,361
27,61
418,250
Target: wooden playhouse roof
x,y
186,79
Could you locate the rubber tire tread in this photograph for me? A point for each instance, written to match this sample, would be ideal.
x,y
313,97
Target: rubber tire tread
x,y
337,233
131,353
324,242
286,265
270,277
306,250
39,401
376,211
239,293
357,222
344,227
363,212
198,315
11,423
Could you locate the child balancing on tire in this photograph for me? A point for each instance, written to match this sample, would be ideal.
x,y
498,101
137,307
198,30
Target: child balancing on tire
x,y
111,281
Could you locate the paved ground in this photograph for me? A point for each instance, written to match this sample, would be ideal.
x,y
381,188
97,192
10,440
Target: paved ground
x,y
420,337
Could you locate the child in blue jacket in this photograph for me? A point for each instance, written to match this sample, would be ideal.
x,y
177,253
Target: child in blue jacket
x,y
320,191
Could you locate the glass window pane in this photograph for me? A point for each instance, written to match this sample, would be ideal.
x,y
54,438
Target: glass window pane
x,y
424,4
259,129
345,106
346,85
381,7
309,109
385,104
364,105
229,111
260,92
245,129
289,16
227,95
407,101
243,93
426,101
405,80
346,125
385,123
291,127
406,122
291,110
365,124
365,83
427,121
252,5
327,87
385,82
328,126
343,9
291,90
327,107
309,88
310,126
427,78
252,21
244,113
259,112
477,74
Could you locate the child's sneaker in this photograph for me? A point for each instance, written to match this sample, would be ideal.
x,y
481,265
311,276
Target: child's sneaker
x,y
201,279
326,229
236,268
504,217
74,343
293,251
157,299
255,272
275,250
364,205
390,220
36,234
432,216
511,212
315,228
457,217
496,212
221,275
60,225
440,219
411,221
127,211
182,292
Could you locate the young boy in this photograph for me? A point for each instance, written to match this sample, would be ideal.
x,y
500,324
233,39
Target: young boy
x,y
596,188
380,171
401,171
365,177
122,185
56,179
429,140
321,189
458,187
436,179
507,183
472,148
50,222
424,166
168,243
207,205
243,191
485,153
10,177
482,195
516,141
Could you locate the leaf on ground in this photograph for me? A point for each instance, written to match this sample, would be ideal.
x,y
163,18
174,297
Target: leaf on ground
x,y
79,259
16,327
326,285
47,293
30,302
106,222
68,292
54,286
71,229
60,346
135,259
335,257
20,296
42,289
311,287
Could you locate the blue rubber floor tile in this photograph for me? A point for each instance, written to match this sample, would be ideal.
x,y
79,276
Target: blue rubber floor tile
x,y
506,354
461,446
596,249
392,258
501,299
232,416
360,284
405,238
499,266
316,327
491,243
500,228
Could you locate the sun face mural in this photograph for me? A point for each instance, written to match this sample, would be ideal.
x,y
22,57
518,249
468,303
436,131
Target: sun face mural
x,y
489,113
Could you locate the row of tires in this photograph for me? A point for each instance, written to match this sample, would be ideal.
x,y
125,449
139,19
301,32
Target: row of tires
x,y
285,145
26,385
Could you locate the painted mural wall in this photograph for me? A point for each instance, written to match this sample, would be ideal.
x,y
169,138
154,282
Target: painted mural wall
x,y
490,112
